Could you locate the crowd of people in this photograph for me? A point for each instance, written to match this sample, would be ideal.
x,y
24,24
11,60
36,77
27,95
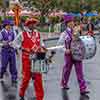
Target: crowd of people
x,y
86,26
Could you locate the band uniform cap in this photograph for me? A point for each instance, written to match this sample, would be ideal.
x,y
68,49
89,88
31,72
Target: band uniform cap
x,y
31,21
7,22
68,18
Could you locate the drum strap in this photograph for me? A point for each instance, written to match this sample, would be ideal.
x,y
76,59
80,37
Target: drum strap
x,y
68,45
69,34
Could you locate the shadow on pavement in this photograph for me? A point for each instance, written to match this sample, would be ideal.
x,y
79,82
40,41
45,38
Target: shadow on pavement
x,y
64,94
66,97
9,92
84,97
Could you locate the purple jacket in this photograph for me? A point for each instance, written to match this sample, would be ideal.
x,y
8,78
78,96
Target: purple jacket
x,y
68,38
7,35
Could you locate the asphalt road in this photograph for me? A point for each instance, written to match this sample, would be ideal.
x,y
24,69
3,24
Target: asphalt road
x,y
52,82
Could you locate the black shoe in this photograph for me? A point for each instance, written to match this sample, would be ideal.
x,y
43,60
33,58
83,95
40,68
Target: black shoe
x,y
66,88
14,83
21,98
1,78
84,97
85,92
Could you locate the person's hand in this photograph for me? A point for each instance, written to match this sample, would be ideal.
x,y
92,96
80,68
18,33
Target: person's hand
x,y
11,44
43,49
68,51
27,50
5,42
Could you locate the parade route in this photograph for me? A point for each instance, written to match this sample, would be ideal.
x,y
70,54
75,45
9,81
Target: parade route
x,y
52,82
49,50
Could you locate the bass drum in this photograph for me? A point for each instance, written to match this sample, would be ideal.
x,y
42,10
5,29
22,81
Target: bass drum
x,y
85,48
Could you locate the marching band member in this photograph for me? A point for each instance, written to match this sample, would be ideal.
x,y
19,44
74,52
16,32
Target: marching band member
x,y
31,42
90,28
8,52
77,27
66,38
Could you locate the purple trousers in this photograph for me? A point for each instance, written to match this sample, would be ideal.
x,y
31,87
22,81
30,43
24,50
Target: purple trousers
x,y
8,57
78,69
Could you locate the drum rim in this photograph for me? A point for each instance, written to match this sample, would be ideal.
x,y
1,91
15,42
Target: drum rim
x,y
82,51
95,47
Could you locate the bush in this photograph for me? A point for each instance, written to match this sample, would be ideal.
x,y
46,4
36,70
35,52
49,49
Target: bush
x,y
54,19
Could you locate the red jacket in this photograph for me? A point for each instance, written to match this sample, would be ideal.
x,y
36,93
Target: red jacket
x,y
90,33
30,42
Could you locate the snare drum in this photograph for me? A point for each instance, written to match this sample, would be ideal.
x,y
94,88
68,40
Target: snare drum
x,y
85,48
38,64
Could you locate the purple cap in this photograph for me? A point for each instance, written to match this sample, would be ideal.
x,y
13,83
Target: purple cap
x,y
7,22
68,18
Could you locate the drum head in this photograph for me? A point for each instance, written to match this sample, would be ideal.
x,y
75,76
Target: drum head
x,y
89,45
77,49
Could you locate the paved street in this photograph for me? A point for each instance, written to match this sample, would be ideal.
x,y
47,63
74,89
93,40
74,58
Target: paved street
x,y
52,82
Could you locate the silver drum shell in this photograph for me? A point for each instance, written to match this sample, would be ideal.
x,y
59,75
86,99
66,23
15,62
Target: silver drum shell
x,y
88,48
89,45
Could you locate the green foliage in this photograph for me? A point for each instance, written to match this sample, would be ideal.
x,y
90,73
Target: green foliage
x,y
54,19
1,3
24,17
67,5
71,5
46,6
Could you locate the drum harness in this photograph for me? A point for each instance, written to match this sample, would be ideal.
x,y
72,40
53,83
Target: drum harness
x,y
41,58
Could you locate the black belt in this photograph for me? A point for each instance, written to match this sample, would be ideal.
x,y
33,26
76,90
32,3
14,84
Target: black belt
x,y
7,47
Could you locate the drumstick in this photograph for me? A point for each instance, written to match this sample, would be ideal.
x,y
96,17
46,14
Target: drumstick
x,y
56,47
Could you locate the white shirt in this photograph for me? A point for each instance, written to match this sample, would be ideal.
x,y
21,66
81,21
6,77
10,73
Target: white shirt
x,y
19,38
62,39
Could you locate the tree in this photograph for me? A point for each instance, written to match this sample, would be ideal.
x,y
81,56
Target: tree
x,y
1,3
44,6
4,4
70,5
